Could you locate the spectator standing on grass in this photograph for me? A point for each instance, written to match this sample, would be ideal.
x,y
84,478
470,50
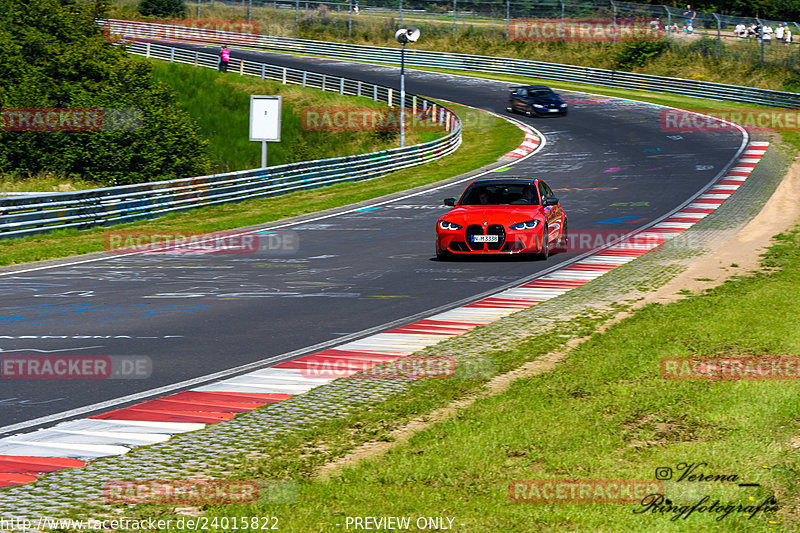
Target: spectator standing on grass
x,y
779,32
690,14
740,31
767,34
787,35
355,7
656,26
224,57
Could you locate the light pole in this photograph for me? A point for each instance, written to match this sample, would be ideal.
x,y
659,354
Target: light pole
x,y
403,36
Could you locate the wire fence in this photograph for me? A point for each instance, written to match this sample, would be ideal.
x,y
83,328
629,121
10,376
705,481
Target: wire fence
x,y
463,62
740,38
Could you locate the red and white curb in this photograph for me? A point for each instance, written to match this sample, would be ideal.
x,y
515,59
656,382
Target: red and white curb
x,y
24,457
529,145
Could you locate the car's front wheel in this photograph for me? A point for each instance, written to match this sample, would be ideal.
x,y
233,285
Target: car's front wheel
x,y
544,253
441,255
563,243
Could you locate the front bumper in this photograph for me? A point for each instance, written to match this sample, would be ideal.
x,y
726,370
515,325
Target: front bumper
x,y
550,111
512,242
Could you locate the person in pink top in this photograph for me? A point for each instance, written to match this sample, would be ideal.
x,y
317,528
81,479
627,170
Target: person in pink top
x,y
224,57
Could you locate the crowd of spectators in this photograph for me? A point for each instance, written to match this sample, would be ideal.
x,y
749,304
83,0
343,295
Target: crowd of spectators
x,y
783,33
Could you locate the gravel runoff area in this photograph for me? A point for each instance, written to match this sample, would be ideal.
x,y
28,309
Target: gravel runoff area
x,y
213,450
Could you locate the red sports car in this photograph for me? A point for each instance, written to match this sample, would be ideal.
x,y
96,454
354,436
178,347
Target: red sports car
x,y
502,216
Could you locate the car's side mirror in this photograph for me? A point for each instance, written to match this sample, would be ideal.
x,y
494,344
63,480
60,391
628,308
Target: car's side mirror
x,y
450,201
551,201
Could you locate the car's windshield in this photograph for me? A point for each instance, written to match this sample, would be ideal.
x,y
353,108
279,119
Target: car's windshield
x,y
542,93
500,194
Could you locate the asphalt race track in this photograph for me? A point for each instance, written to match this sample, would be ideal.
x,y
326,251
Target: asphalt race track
x,y
609,160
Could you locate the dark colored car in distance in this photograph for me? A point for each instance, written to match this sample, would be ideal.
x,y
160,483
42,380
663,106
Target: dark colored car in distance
x,y
536,100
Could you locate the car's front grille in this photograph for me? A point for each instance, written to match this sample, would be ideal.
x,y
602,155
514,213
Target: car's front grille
x,y
474,229
496,229
493,229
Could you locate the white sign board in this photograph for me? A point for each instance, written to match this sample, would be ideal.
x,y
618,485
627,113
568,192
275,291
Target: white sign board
x,y
265,118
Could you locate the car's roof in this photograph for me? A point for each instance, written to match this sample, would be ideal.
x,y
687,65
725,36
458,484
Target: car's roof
x,y
499,181
531,87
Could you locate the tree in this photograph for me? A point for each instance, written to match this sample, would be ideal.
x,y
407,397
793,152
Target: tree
x,y
55,56
163,8
788,10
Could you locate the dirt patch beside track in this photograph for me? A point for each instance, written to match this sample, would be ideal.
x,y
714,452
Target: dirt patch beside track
x,y
780,212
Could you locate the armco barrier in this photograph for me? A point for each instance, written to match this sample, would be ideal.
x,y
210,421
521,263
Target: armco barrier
x,y
446,60
29,215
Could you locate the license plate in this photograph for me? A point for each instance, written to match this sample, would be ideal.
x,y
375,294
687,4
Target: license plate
x,y
485,238
553,110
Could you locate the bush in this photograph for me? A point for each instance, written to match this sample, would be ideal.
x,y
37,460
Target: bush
x,y
56,57
792,82
163,8
638,53
321,19
706,47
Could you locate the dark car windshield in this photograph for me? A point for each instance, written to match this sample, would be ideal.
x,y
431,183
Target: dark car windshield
x,y
500,194
542,93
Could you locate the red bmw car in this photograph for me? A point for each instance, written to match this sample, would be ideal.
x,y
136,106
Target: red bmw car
x,y
502,216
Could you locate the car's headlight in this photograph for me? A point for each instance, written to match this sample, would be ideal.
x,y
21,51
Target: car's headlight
x,y
538,105
444,224
563,105
528,224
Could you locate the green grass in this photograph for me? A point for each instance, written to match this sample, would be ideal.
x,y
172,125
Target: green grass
x,y
220,104
43,182
485,138
604,413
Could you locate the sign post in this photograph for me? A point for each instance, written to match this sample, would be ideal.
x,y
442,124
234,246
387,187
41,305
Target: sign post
x,y
265,121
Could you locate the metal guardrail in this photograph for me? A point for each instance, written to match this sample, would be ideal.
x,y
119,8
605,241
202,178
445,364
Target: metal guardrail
x,y
29,215
447,60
